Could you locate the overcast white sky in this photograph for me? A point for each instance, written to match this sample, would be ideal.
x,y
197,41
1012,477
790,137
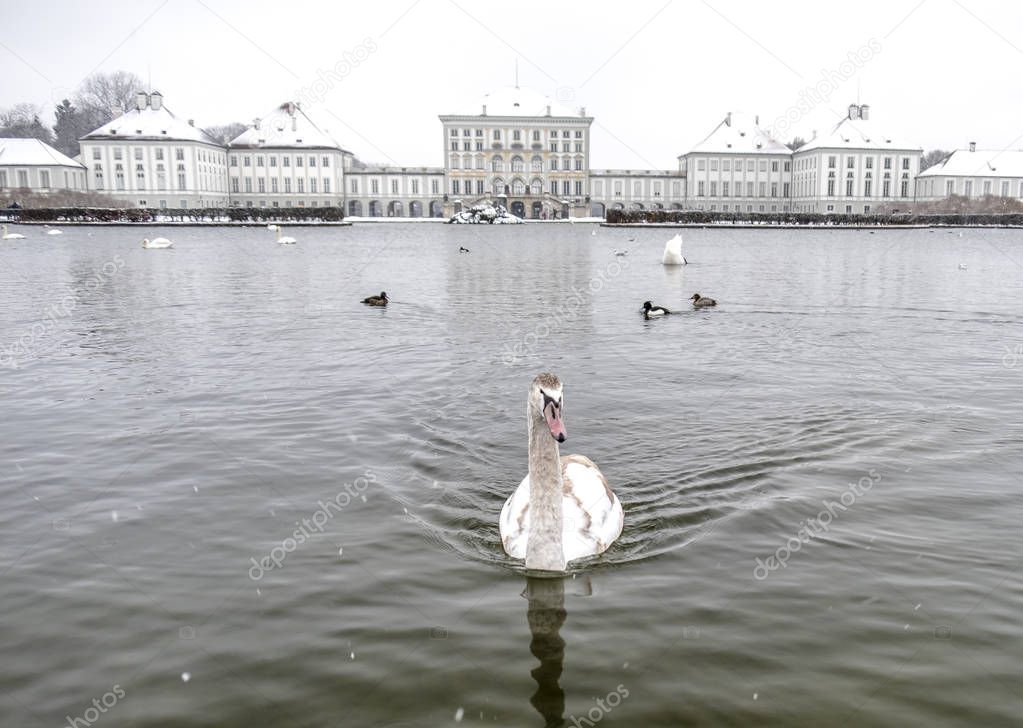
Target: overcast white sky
x,y
657,76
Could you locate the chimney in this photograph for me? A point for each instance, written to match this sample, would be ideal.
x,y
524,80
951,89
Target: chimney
x,y
582,111
255,123
865,112
853,111
191,122
484,109
156,100
294,123
973,146
548,110
141,100
756,120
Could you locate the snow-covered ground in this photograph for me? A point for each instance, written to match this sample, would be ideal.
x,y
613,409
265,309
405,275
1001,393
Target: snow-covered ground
x,y
485,214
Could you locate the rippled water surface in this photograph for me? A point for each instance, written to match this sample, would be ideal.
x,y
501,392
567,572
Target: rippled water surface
x,y
821,478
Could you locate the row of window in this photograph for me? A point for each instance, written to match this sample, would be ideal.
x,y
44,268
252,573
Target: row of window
x,y
71,181
374,185
285,160
750,164
986,187
637,189
518,134
158,154
300,185
477,146
517,187
868,162
518,164
760,188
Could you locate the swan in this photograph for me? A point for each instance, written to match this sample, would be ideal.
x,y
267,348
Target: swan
x,y
702,301
380,300
650,311
563,509
673,252
273,228
285,239
12,236
55,231
156,243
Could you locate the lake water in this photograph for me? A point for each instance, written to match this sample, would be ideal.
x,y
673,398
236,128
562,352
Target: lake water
x,y
821,478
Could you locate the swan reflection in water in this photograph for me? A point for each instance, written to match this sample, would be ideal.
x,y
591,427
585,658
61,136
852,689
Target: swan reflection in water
x,y
546,614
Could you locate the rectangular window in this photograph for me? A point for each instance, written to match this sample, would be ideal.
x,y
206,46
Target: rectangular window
x,y
300,185
181,183
554,187
95,153
287,185
286,162
774,189
516,135
866,187
234,184
579,165
699,188
701,165
261,185
832,161
246,161
578,187
869,163
536,135
415,186
298,161
785,189
886,188
713,165
326,185
497,135
394,186
887,162
466,132
787,166
566,147
713,188
138,154
724,189
312,186
117,152
566,186
761,189
726,165
905,188
763,165
454,132
479,148
375,184
273,184
554,146
1005,189
466,146
749,189
44,178
273,161
479,132
454,146
850,163
259,160
435,187
848,188
355,186
950,187
248,185
325,162
456,187
774,166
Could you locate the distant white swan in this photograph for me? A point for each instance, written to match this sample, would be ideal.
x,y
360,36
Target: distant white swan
x,y
156,243
55,231
563,509
673,252
273,228
285,239
12,236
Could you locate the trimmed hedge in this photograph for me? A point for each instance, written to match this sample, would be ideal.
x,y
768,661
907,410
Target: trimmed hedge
x,y
207,214
699,217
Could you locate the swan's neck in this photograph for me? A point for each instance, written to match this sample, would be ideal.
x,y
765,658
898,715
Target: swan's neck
x,y
544,548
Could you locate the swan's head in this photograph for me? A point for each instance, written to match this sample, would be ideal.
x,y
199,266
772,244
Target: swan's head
x,y
545,401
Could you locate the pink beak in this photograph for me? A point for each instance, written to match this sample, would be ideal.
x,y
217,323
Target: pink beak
x,y
553,416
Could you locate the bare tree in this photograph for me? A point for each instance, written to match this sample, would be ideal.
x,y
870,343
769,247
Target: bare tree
x,y
107,90
796,143
933,157
225,132
23,121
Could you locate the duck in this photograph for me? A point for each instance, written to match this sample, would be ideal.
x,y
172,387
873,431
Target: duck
x,y
563,510
12,236
462,249
673,252
284,239
621,253
650,311
156,243
380,300
702,301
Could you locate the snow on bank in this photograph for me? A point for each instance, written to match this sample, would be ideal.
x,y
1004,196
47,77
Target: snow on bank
x,y
485,214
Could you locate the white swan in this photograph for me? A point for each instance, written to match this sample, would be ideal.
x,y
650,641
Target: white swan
x,y
55,231
563,509
156,243
673,252
286,239
12,236
273,228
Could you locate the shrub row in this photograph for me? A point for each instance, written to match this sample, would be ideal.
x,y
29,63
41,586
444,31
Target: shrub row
x,y
207,214
698,217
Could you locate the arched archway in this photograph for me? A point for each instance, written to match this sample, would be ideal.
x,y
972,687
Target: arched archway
x,y
415,208
597,209
355,208
618,206
395,209
676,206
375,210
637,206
657,206
518,208
537,210
436,209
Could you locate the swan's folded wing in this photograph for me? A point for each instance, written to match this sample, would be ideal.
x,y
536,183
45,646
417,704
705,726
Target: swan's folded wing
x,y
515,521
593,514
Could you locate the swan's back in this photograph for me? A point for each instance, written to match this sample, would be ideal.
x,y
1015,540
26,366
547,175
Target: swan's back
x,y
673,252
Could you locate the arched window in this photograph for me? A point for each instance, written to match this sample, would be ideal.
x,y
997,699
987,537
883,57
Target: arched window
x,y
467,161
536,164
517,164
454,161
536,187
498,186
497,163
518,186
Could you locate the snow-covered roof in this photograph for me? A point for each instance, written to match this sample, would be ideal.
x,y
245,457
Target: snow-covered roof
x,y
286,126
518,101
981,163
32,153
739,134
154,121
856,134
